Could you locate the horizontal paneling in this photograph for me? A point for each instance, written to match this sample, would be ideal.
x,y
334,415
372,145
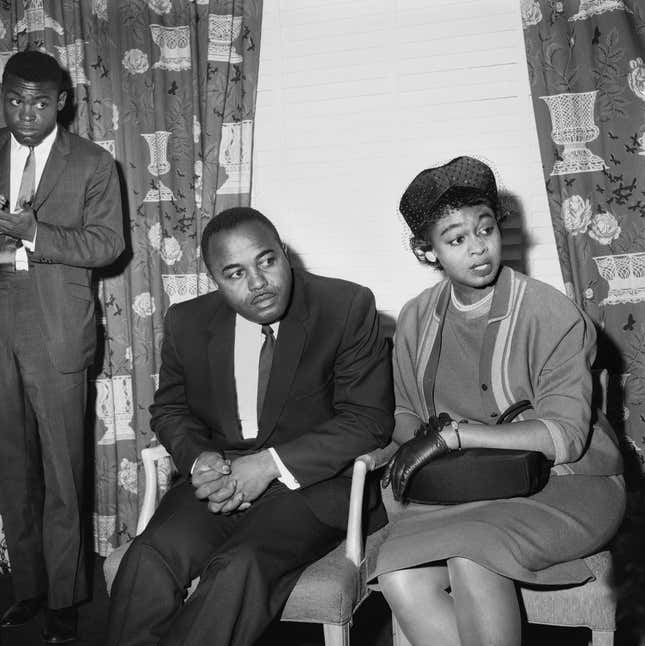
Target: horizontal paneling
x,y
355,98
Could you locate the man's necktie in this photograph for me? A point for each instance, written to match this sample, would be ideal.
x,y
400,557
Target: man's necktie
x,y
28,181
264,365
25,194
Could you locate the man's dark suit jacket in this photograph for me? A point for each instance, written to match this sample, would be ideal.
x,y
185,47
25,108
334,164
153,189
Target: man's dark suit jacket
x,y
329,397
80,226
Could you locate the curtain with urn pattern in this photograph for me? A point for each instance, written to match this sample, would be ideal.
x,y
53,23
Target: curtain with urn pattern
x,y
168,87
587,77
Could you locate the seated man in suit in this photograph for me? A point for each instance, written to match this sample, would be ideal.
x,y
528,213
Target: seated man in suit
x,y
268,390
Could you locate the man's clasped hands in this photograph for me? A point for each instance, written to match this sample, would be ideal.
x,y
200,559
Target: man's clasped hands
x,y
232,485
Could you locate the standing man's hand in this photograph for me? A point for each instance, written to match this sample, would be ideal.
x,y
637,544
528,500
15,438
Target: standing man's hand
x,y
212,479
20,225
253,473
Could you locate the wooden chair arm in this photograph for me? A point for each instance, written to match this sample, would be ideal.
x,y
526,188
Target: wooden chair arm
x,y
150,457
363,464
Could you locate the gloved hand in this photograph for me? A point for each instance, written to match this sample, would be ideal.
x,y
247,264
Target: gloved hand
x,y
426,445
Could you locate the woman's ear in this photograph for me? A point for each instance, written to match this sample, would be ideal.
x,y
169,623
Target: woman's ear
x,y
419,253
429,256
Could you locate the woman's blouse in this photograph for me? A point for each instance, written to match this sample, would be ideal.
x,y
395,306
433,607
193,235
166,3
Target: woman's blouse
x,y
456,390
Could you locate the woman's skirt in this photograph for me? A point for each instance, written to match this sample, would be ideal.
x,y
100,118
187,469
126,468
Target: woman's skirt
x,y
539,540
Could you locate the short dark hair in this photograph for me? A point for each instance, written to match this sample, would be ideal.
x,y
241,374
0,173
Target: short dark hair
x,y
34,66
454,198
230,219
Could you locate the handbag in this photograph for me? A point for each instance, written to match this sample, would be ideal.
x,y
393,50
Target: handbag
x,y
481,474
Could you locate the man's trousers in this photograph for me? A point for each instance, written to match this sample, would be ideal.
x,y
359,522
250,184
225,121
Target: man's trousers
x,y
42,421
248,562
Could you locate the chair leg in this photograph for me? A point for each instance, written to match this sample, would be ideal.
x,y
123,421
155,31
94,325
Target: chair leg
x,y
398,638
336,635
602,638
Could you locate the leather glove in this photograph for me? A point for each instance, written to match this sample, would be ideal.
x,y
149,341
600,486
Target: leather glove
x,y
426,445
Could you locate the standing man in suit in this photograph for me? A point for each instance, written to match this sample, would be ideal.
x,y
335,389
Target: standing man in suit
x,y
268,390
60,217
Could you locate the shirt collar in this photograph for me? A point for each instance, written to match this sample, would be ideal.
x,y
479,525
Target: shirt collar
x,y
241,322
43,148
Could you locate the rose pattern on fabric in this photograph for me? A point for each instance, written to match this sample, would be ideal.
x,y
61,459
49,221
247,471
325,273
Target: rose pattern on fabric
x,y
170,250
636,77
135,61
115,117
199,167
160,6
576,214
104,529
5,564
128,476
154,236
144,305
604,228
531,13
99,9
197,129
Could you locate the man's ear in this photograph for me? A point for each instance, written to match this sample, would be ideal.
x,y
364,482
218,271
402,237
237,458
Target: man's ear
x,y
284,248
62,97
429,256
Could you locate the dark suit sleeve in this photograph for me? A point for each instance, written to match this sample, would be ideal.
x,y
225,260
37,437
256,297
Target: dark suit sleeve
x,y
363,401
98,239
178,429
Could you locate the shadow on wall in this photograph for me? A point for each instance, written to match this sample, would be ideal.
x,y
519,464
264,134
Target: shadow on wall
x,y
388,322
515,239
515,245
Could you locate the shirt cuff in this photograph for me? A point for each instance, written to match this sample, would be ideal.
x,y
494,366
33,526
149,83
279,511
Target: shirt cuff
x,y
30,245
400,410
286,477
22,262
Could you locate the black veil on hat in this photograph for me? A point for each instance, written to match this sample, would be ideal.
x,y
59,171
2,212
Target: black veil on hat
x,y
427,188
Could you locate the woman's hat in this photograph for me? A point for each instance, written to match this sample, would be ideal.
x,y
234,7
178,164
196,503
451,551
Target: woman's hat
x,y
426,189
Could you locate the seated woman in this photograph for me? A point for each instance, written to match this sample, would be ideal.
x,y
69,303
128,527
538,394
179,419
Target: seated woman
x,y
483,338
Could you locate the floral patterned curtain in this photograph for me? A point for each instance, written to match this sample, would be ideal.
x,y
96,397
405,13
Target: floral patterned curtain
x,y
168,87
588,85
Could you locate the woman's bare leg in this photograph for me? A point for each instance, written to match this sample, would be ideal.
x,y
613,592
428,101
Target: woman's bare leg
x,y
419,599
486,605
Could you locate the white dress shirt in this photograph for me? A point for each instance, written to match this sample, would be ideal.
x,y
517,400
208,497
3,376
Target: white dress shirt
x,y
248,344
19,154
246,359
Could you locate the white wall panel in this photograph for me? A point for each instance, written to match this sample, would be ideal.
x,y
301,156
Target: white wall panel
x,y
356,97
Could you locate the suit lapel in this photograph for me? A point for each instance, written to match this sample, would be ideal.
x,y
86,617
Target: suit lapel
x,y
5,160
222,371
292,337
54,168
